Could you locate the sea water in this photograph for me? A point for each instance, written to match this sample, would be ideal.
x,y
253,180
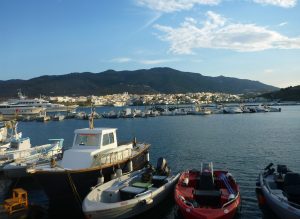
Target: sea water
x,y
241,143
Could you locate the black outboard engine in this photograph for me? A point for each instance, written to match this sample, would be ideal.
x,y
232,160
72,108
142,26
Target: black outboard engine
x,y
269,166
292,187
162,167
282,169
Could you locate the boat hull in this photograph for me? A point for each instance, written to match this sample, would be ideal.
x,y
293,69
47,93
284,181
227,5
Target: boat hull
x,y
187,210
71,187
132,210
280,208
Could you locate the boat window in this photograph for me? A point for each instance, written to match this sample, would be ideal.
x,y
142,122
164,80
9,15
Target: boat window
x,y
87,139
108,139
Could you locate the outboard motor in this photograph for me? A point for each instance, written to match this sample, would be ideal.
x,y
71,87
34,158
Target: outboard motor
x,y
162,167
292,187
269,166
282,169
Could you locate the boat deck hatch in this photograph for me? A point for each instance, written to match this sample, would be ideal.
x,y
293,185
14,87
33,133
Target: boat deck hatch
x,y
145,185
129,192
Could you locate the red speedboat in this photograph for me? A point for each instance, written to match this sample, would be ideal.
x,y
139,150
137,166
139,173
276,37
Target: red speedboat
x,y
207,194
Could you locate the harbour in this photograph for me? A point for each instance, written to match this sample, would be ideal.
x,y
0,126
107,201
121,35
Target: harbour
x,y
243,143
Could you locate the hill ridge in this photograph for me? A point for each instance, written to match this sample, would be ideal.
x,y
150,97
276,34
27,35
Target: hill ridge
x,y
140,81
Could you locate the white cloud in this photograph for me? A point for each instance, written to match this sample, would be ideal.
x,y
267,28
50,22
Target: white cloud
x,y
156,61
282,24
174,5
218,32
142,61
167,6
269,71
121,60
151,21
280,3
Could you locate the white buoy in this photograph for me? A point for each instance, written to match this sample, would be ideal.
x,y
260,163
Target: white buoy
x,y
129,166
113,175
147,157
100,180
119,173
185,182
231,197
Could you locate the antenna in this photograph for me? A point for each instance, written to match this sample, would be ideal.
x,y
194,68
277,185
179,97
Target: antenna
x,y
91,119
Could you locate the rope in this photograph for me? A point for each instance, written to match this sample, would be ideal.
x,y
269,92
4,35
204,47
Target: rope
x,y
75,192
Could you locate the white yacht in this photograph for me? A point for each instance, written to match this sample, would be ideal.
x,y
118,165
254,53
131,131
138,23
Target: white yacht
x,y
38,103
19,109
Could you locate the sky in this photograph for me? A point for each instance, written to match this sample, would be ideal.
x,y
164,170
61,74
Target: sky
x,y
248,39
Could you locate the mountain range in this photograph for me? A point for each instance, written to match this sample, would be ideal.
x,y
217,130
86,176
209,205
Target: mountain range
x,y
285,94
143,81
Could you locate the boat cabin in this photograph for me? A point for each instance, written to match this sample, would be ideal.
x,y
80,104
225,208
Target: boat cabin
x,y
87,144
18,148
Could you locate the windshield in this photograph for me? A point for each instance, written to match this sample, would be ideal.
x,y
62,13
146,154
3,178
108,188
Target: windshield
x,y
87,139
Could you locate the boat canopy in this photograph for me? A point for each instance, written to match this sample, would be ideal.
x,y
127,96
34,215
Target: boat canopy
x,y
88,143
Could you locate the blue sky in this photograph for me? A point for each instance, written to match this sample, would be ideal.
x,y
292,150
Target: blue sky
x,y
251,39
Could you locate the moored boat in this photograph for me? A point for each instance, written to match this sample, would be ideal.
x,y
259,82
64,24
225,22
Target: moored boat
x,y
207,193
280,191
95,151
131,194
20,151
34,155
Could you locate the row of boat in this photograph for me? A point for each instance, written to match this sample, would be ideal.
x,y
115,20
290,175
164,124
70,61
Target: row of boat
x,y
204,193
195,110
153,112
106,179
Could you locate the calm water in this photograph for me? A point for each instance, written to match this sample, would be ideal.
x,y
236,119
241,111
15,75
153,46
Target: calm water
x,y
242,143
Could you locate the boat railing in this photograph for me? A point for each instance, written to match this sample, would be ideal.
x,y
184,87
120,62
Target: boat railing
x,y
147,193
40,152
280,198
114,157
186,202
231,200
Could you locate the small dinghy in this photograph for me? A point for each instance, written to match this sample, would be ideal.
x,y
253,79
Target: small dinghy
x,y
208,193
280,191
130,195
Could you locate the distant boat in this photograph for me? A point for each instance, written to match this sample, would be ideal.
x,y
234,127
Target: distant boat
x,y
129,195
58,117
22,102
127,113
43,118
111,115
13,109
232,110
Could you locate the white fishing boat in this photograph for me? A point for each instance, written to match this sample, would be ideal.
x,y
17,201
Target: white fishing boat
x,y
37,155
280,191
20,150
94,151
232,110
130,195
